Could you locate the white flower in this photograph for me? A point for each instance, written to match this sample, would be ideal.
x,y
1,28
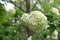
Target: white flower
x,y
25,17
48,36
55,10
12,11
30,38
55,35
36,21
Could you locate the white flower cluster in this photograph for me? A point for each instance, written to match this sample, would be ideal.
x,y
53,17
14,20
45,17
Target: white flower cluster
x,y
55,35
36,21
30,38
55,10
12,11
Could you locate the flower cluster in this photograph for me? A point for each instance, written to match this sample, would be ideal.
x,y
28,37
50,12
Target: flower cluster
x,y
55,10
35,21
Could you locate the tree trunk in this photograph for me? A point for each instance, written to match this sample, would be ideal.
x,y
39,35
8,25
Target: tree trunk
x,y
28,11
27,6
25,30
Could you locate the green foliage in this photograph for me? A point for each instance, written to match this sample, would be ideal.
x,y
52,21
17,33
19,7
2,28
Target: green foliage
x,y
12,30
18,12
2,10
7,30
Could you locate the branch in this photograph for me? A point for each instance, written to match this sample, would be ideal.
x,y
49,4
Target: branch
x,y
27,6
35,4
18,6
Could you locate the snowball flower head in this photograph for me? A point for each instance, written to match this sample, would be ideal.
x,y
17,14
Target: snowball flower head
x,y
55,10
35,21
12,11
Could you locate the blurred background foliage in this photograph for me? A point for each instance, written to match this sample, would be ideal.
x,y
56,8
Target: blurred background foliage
x,y
11,27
